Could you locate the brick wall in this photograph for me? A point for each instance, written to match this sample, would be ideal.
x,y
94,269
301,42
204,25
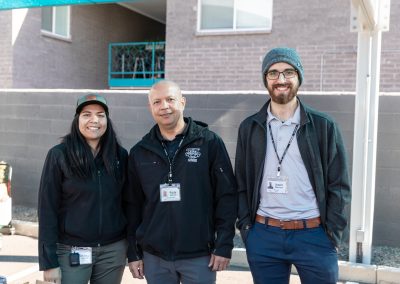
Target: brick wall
x,y
5,49
31,122
45,62
319,30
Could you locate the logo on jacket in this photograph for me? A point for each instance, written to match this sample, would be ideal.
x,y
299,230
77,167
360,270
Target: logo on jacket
x,y
192,154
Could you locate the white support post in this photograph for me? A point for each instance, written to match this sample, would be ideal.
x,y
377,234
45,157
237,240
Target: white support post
x,y
360,147
371,147
366,127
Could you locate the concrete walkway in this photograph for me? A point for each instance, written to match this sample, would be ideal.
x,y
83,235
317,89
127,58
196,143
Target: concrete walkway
x,y
18,263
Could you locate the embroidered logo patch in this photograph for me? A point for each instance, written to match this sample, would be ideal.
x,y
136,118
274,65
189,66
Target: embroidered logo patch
x,y
192,154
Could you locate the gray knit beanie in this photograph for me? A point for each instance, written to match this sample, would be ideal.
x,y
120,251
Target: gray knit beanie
x,y
282,54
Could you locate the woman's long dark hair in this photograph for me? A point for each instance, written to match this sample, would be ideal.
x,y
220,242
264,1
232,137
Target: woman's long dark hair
x,y
79,155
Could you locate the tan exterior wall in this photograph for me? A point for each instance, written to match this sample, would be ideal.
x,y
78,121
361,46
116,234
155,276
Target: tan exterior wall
x,y
41,61
5,49
318,29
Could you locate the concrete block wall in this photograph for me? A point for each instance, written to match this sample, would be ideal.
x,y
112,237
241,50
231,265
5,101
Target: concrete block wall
x,y
40,61
33,121
5,49
319,30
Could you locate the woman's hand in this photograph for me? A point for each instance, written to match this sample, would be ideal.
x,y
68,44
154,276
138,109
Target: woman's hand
x,y
52,275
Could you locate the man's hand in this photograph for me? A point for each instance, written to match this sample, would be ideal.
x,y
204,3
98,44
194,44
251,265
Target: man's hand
x,y
136,268
52,275
218,263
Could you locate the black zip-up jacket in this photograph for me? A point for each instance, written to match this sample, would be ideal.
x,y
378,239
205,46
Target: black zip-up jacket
x,y
79,212
203,222
324,156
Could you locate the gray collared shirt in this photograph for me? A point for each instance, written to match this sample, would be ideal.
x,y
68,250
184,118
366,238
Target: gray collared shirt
x,y
299,202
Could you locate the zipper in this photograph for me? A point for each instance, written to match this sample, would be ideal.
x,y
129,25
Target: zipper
x,y
100,203
256,195
170,231
171,167
171,164
221,170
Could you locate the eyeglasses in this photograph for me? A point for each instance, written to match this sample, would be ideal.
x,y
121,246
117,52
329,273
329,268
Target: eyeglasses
x,y
274,74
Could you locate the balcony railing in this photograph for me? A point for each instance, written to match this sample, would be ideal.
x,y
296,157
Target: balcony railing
x,y
135,64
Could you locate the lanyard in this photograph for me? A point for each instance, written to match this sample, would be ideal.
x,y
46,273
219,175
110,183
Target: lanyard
x,y
173,158
286,149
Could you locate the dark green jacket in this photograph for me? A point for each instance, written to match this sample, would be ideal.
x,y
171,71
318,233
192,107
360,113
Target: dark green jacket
x,y
324,156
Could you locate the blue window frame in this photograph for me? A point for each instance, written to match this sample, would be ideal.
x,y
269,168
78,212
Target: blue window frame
x,y
136,64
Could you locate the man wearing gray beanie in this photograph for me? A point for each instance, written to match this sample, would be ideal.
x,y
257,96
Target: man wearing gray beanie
x,y
293,183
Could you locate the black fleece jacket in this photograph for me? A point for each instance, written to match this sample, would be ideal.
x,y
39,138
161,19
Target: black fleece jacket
x,y
324,156
203,221
79,212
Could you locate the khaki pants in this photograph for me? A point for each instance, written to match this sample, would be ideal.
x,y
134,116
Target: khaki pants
x,y
108,264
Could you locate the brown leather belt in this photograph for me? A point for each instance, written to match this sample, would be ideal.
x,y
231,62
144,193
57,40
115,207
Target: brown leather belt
x,y
290,224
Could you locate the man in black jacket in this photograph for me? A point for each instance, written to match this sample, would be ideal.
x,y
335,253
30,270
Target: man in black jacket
x,y
182,197
293,184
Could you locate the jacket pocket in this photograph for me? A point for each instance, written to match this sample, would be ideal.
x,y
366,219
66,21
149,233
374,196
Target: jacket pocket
x,y
244,233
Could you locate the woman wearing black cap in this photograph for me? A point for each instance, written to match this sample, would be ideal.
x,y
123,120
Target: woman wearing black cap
x,y
81,220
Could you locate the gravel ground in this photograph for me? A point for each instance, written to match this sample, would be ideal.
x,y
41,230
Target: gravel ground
x,y
24,213
381,255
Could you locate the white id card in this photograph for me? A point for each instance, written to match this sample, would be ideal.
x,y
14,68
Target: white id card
x,y
85,254
170,192
277,184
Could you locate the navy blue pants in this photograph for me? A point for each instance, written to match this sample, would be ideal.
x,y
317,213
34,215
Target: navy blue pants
x,y
271,251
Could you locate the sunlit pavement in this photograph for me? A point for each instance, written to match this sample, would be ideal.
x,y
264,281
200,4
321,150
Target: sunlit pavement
x,y
18,263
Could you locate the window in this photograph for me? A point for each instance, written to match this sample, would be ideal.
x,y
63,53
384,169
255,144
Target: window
x,y
55,20
235,15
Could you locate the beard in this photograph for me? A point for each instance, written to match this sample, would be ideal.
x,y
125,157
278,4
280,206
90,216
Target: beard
x,y
282,97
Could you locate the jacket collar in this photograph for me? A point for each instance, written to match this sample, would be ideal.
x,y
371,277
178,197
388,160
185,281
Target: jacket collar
x,y
193,130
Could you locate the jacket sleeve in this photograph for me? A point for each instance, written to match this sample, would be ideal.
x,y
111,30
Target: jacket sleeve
x,y
48,210
225,201
134,200
244,221
339,189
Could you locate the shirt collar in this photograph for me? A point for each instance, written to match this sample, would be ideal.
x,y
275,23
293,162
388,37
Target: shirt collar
x,y
295,119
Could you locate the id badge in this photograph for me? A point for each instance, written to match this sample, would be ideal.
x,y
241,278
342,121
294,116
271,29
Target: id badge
x,y
277,184
85,254
170,192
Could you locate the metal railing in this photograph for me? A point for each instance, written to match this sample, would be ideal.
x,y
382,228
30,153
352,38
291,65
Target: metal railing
x,y
135,64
